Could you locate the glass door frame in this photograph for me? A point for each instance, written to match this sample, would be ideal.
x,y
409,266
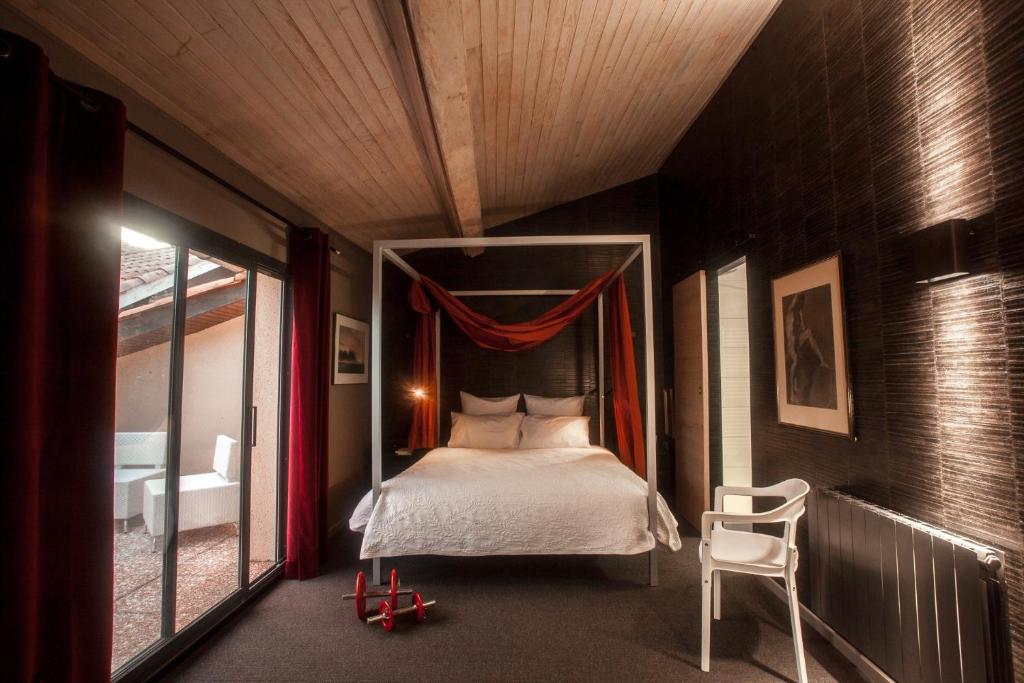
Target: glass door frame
x,y
187,236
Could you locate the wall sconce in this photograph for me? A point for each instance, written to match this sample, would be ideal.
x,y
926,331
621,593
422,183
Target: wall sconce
x,y
940,252
419,393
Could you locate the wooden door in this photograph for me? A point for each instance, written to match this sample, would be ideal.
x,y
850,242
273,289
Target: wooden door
x,y
690,413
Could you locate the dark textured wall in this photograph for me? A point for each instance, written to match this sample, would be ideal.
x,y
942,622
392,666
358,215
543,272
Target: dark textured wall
x,y
848,126
566,365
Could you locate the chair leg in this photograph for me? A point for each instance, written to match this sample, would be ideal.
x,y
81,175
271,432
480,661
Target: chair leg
x,y
794,618
705,612
716,587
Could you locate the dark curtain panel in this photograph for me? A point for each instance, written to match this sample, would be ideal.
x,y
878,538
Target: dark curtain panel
x,y
61,166
311,373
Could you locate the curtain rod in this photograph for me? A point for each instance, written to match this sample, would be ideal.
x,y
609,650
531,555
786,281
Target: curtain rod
x,y
89,101
196,166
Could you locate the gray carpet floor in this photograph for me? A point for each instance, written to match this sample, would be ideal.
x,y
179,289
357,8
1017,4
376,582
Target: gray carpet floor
x,y
519,618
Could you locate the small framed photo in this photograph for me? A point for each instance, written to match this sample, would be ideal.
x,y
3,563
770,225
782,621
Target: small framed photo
x,y
811,378
351,350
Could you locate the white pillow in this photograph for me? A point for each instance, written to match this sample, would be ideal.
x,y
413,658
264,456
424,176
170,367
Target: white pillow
x,y
539,431
542,405
475,405
485,431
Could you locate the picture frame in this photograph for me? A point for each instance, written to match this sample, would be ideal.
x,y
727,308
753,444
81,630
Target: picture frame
x,y
812,382
350,355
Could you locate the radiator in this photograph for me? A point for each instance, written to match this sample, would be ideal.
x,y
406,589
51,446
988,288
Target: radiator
x,y
921,603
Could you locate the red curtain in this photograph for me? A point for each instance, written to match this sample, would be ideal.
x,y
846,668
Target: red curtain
x,y
629,430
61,170
309,260
423,433
516,336
490,334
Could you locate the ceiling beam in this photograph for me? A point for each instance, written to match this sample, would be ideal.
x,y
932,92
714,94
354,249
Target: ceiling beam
x,y
432,64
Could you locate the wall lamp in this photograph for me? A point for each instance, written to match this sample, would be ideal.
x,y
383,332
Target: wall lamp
x,y
940,252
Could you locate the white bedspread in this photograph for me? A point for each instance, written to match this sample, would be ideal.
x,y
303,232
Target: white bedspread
x,y
462,501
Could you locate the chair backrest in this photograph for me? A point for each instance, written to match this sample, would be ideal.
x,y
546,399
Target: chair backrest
x,y
226,458
795,492
140,449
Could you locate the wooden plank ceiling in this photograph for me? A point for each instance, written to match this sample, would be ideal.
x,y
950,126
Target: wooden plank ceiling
x,y
411,118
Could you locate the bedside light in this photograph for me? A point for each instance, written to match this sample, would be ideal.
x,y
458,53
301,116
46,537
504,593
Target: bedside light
x,y
940,252
419,393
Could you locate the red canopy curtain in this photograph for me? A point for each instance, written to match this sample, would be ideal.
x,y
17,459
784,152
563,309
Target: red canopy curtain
x,y
625,398
61,170
423,433
309,260
489,334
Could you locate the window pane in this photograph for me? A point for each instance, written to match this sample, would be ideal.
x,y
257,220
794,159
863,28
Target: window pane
x,y
140,450
263,510
211,426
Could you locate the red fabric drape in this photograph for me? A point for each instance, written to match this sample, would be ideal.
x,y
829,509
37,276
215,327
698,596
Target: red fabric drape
x,y
423,433
490,334
629,430
309,258
61,172
515,336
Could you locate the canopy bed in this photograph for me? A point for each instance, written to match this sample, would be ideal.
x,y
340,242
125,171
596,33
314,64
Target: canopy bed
x,y
496,498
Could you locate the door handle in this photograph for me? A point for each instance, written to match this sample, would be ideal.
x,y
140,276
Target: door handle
x,y
252,427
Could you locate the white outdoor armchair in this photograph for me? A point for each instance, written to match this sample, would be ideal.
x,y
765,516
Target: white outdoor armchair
x,y
204,500
138,457
733,550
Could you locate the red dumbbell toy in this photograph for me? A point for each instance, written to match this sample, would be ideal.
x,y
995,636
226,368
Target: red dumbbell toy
x,y
387,613
360,595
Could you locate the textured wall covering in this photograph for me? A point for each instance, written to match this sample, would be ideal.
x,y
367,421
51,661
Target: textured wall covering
x,y
849,125
566,365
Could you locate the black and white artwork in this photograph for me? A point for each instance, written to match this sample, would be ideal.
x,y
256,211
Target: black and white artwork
x,y
351,350
810,349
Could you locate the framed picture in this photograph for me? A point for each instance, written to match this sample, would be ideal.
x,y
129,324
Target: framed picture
x,y
811,378
351,350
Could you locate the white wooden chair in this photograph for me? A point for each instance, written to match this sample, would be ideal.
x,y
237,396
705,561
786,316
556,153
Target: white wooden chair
x,y
733,550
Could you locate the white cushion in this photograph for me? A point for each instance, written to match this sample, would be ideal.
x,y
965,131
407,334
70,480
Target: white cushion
x,y
543,405
555,432
501,405
203,500
485,431
226,458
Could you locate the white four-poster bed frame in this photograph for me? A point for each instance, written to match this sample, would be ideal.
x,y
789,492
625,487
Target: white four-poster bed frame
x,y
386,249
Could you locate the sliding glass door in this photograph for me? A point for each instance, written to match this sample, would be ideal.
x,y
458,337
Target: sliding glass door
x,y
266,533
212,405
201,411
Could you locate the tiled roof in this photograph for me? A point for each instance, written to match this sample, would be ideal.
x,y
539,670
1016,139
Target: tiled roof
x,y
141,266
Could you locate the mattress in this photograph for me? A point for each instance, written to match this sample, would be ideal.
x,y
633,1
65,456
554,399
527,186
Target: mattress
x,y
465,501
